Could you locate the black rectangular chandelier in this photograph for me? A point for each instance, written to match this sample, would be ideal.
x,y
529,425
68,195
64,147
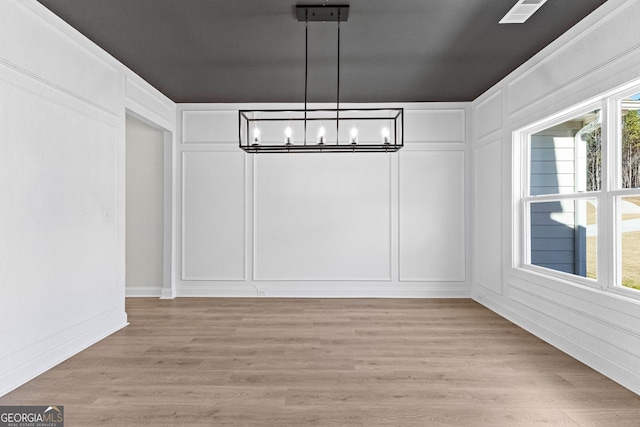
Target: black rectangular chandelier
x,y
321,130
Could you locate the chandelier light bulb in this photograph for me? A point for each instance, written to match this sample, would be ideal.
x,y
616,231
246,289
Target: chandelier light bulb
x,y
256,136
385,135
321,135
287,135
353,135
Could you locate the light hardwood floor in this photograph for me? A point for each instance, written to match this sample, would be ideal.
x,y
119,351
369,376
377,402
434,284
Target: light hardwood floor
x,y
282,362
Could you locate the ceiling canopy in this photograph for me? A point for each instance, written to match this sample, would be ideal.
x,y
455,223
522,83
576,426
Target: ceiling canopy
x,y
254,51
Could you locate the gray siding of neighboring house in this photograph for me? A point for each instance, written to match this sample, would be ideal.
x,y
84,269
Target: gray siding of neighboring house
x,y
553,228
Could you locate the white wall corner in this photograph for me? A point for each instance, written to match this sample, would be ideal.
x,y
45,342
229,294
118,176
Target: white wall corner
x,y
24,364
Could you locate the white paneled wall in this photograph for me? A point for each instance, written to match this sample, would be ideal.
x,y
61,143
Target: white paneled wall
x,y
56,244
366,224
599,328
62,128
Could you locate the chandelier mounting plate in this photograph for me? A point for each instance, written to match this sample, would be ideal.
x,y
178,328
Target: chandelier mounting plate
x,y
322,13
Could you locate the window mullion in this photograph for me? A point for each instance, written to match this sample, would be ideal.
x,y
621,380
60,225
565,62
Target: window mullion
x,y
563,196
605,257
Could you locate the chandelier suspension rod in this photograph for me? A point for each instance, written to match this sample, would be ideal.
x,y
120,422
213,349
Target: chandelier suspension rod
x,y
338,88
306,69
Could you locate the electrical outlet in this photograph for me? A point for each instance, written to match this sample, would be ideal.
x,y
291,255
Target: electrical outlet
x,y
262,292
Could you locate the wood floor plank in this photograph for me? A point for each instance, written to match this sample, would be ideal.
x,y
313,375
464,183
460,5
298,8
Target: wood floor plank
x,y
328,362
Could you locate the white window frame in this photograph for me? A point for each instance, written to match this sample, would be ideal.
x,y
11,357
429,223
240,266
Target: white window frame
x,y
609,242
616,192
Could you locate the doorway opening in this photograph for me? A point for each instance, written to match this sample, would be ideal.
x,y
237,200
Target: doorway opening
x,y
147,197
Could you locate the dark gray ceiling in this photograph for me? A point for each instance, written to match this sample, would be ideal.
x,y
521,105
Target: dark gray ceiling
x,y
253,51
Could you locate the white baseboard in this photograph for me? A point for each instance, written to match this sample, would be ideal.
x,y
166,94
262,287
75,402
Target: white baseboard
x,y
20,366
143,291
323,290
167,294
591,357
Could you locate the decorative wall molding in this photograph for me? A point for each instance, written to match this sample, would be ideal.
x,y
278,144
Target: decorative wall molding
x,y
34,85
320,198
93,79
441,248
147,102
487,267
198,132
488,115
432,125
212,193
617,310
573,63
209,127
434,146
591,329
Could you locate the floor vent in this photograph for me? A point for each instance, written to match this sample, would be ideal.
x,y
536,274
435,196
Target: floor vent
x,y
521,11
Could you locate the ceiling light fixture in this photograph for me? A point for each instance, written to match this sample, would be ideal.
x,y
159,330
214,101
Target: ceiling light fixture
x,y
321,130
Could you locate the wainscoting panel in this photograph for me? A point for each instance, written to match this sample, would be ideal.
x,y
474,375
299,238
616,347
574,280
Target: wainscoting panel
x,y
213,233
210,126
432,212
322,217
434,126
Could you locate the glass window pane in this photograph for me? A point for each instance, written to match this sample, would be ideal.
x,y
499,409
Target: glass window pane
x,y
630,146
566,158
564,236
630,230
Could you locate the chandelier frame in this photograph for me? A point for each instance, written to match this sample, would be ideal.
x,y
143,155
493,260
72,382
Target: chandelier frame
x,y
391,119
